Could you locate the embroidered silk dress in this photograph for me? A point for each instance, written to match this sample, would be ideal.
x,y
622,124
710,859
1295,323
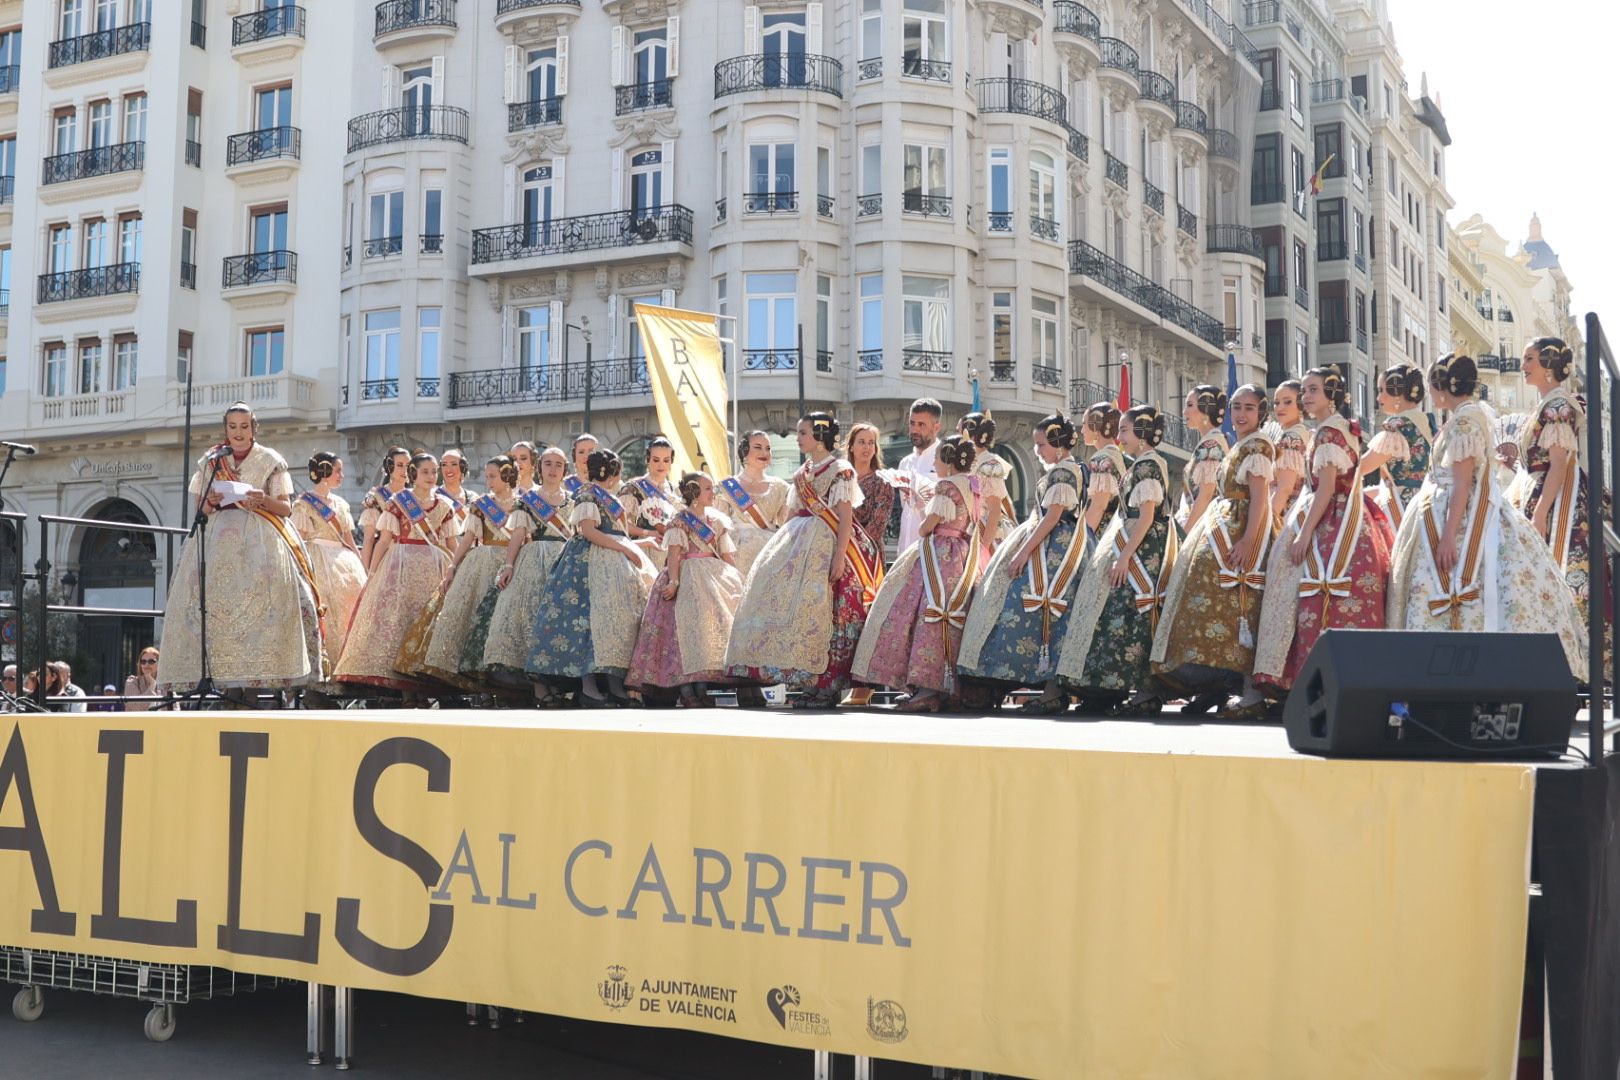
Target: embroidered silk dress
x,y
758,523
1560,422
457,626
263,615
991,472
872,512
398,594
1107,467
512,622
1206,634
1343,579
1204,468
590,610
793,626
1015,625
915,625
684,640
325,525
1407,439
1111,629
648,510
1292,444
1505,579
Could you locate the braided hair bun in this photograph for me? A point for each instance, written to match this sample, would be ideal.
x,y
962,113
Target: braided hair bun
x,y
1555,356
1103,418
1333,387
1456,375
824,426
979,428
1404,382
1148,423
322,464
690,488
1211,402
602,465
1058,431
957,452
506,467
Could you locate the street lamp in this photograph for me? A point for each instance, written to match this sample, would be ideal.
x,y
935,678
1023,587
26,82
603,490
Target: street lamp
x,y
583,328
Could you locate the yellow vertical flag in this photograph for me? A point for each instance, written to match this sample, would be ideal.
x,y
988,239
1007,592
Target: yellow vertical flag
x,y
688,377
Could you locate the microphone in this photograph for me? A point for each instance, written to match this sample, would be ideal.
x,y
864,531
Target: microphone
x,y
218,452
21,448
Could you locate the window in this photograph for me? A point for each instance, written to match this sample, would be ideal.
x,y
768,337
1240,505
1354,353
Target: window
x,y
1358,234
55,368
124,362
416,89
638,350
1330,144
823,316
1330,238
1267,183
871,29
1000,189
1043,332
272,108
1358,165
872,168
61,248
1302,353
1301,283
772,316
1389,173
771,184
188,248
385,235
782,46
95,243
182,358
651,56
647,182
1335,325
1296,96
8,157
824,181
1299,173
924,36
1043,194
923,178
135,118
534,339
1271,244
106,14
90,361
925,319
382,355
1001,337
129,238
5,279
72,18
537,204
432,220
267,233
101,125
871,286
427,351
194,128
65,132
265,351
1389,100
540,74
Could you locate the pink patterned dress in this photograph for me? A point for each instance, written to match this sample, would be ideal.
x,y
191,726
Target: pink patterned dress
x,y
684,640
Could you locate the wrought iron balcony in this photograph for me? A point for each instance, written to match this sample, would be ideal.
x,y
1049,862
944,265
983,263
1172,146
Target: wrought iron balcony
x,y
871,68
1119,56
1302,297
1157,88
824,358
267,25
589,232
408,122
925,360
432,243
521,115
1003,371
194,153
719,210
770,202
188,275
1235,240
199,34
1224,144
1331,250
1116,170
88,283
1186,221
869,360
395,15
1023,96
1041,375
915,67
8,190
1262,192
1333,332
1361,340
1361,262
1079,145
1152,197
1001,221
260,268
1091,262
824,205
427,386
1191,117
136,37
770,359
380,247
379,389
548,384
868,205
1043,227
917,202
640,97
1270,97
5,303
1262,12
10,79
507,7
803,71
266,144
1072,18
97,161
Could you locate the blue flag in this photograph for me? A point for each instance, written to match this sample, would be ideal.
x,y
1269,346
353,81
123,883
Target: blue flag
x,y
1231,388
977,406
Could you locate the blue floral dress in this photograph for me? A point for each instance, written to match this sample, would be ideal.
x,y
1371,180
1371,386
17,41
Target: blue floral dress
x,y
1407,439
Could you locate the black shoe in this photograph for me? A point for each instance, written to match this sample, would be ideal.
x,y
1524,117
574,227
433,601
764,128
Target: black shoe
x,y
1213,701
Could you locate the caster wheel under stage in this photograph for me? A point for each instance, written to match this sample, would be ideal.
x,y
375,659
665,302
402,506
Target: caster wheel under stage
x,y
160,1023
29,1004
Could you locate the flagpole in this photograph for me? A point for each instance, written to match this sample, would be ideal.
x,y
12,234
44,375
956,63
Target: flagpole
x,y
731,364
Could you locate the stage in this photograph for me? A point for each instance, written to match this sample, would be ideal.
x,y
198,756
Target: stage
x,y
1023,895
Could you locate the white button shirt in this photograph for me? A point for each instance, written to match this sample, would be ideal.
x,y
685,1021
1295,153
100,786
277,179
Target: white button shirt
x,y
919,465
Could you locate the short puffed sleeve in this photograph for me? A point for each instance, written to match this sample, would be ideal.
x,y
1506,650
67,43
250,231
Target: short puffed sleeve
x,y
279,484
1558,420
585,510
1062,488
1291,454
1332,451
1393,440
1147,485
845,488
1466,441
1256,463
1206,464
388,523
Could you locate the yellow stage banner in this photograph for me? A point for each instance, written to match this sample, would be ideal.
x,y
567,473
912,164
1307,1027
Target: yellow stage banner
x,y
1028,911
688,384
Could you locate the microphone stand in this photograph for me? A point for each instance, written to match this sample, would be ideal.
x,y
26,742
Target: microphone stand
x,y
205,690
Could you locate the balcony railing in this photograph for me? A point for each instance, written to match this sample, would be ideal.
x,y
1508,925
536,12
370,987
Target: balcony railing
x,y
1072,18
770,202
432,244
824,205
934,362
1270,97
1043,227
1236,240
8,190
1302,297
5,303
427,386
719,210
393,15
1361,340
10,79
188,275
379,389
916,67
1023,96
266,144
868,205
775,71
1331,250
88,283
1186,221
1190,117
589,232
408,122
770,359
869,360
1000,221
1115,170
870,68
916,202
1223,144
521,115
548,384
1079,145
1361,262
1152,197
380,247
98,161
194,153
259,268
506,7
1003,371
1262,12
1091,262
1120,56
1041,375
1156,87
1333,332
267,25
136,37
639,97
1262,192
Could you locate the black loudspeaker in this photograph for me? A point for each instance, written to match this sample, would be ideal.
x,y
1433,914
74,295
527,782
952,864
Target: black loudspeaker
x,y
1412,693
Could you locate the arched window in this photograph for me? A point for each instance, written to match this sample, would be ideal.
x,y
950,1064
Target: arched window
x,y
540,74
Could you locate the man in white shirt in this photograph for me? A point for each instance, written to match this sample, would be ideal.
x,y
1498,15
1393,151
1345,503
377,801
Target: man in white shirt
x,y
918,467
69,688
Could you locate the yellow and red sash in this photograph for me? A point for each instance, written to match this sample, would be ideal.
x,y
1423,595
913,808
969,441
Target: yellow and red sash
x,y
1464,588
1048,593
868,571
950,609
227,470
1561,518
1332,579
1397,512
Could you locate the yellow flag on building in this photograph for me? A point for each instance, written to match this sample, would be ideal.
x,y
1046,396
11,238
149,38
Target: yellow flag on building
x,y
685,364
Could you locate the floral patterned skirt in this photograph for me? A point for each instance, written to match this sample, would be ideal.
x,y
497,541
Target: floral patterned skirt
x,y
899,647
458,621
1578,563
684,640
1206,633
341,579
1003,642
589,614
395,599
1117,658
512,618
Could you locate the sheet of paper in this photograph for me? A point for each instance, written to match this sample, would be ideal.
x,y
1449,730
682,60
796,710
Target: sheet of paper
x,y
231,492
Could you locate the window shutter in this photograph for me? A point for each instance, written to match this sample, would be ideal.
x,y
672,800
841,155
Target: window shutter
x,y
750,30
557,196
388,92
557,337
618,179
514,61
616,60
613,325
668,167
812,25
562,64
510,194
672,32
438,80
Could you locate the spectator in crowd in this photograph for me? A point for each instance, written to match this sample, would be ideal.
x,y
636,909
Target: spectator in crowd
x,y
110,691
144,682
8,683
69,689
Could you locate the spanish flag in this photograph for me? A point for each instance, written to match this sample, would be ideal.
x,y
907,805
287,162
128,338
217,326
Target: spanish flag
x,y
1316,177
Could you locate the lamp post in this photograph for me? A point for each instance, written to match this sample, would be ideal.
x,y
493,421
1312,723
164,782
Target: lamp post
x,y
583,328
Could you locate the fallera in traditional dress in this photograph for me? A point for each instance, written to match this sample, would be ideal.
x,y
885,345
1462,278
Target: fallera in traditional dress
x,y
915,624
1204,468
327,530
684,640
458,626
1015,625
1343,579
793,626
648,504
872,513
543,517
263,608
1407,439
1107,469
755,517
990,472
1111,629
399,592
1505,579
1206,633
1292,445
590,610
460,503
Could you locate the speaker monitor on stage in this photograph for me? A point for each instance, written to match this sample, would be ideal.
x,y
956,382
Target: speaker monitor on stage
x,y
1411,693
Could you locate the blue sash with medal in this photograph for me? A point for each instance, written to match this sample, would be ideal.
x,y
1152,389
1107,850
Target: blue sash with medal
x,y
612,505
407,502
743,501
651,490
455,503
696,526
572,485
544,511
490,509
318,504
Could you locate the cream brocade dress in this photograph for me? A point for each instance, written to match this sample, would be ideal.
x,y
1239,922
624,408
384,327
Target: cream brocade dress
x,y
751,537
263,627
396,595
460,604
511,627
339,575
